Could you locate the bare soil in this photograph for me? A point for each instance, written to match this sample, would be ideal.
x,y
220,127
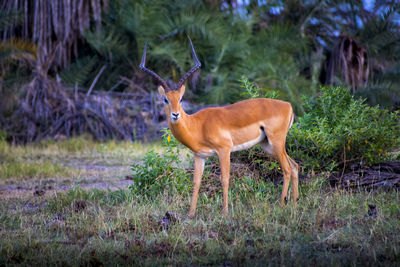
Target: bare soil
x,y
91,175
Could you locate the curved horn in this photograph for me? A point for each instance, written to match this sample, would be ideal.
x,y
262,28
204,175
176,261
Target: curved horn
x,y
193,70
152,73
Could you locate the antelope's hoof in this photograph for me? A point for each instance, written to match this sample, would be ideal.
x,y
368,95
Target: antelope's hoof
x,y
284,201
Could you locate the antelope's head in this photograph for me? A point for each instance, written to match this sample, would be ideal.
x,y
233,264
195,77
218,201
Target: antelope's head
x,y
172,98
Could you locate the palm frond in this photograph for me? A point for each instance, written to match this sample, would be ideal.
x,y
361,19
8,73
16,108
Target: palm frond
x,y
382,37
79,71
109,44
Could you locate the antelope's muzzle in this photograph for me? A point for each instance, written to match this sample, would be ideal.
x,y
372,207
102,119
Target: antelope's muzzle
x,y
174,116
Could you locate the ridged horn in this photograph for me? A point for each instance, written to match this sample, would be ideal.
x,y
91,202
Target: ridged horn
x,y
152,73
193,70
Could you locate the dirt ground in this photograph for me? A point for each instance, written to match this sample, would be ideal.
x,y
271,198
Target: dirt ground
x,y
90,175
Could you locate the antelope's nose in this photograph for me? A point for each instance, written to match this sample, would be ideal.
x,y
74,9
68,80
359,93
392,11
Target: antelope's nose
x,y
175,116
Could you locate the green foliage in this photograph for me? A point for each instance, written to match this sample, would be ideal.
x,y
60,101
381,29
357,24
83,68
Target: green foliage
x,y
219,38
277,56
384,91
280,51
384,88
158,173
80,71
381,34
253,91
227,45
109,44
338,129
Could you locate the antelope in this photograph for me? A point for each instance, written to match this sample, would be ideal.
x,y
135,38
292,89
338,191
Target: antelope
x,y
222,130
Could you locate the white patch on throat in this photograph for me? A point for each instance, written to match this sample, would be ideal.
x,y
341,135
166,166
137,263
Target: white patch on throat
x,y
250,143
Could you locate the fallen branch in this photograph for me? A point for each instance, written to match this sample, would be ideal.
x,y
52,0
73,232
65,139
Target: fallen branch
x,y
95,80
381,175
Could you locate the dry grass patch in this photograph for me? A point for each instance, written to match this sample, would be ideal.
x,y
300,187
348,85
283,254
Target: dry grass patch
x,y
36,170
79,158
78,147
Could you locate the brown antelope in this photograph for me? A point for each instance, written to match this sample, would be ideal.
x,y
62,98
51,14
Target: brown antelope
x,y
222,130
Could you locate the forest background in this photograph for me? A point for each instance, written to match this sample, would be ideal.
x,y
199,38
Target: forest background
x,y
54,51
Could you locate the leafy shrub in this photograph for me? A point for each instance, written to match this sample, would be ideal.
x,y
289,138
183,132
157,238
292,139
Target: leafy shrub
x,y
335,130
253,91
338,129
158,173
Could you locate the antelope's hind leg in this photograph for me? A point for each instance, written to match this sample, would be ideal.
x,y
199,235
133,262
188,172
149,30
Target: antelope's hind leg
x,y
295,179
289,168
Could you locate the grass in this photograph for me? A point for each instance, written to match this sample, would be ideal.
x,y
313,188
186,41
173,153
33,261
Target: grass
x,y
50,159
28,170
329,227
79,147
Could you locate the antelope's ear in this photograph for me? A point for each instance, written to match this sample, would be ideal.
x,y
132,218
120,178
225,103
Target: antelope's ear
x,y
182,89
161,90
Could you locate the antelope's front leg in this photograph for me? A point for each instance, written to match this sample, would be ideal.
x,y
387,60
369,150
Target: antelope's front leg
x,y
198,173
225,165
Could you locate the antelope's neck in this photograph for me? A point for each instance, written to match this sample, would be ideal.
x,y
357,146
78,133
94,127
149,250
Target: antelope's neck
x,y
184,131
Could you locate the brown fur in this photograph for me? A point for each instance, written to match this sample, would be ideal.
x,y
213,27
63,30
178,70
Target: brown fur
x,y
220,129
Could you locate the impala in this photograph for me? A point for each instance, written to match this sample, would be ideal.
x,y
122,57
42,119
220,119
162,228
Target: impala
x,y
222,130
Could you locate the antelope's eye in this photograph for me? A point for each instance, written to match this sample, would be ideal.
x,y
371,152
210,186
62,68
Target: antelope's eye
x,y
166,101
180,101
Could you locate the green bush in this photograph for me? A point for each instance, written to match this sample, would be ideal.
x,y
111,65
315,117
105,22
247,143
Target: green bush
x,y
158,173
253,91
337,130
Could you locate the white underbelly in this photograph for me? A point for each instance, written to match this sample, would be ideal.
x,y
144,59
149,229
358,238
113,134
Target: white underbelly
x,y
207,153
250,143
